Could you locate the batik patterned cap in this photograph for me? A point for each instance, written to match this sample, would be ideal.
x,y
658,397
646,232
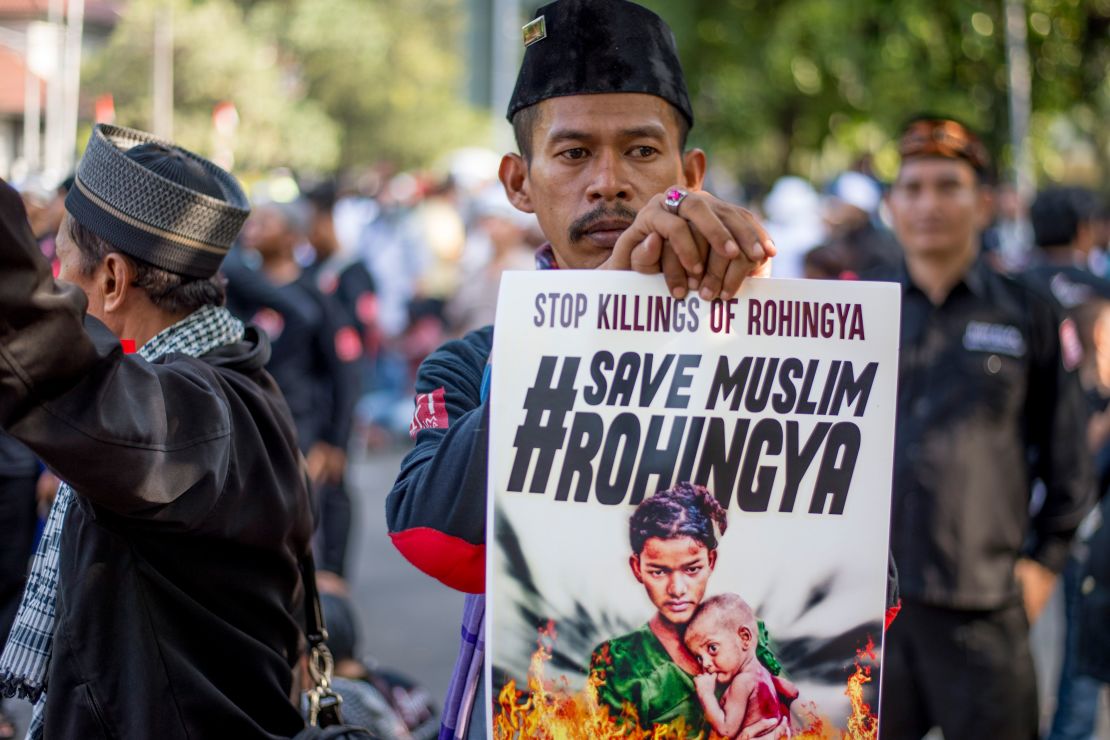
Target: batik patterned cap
x,y
582,47
945,138
141,195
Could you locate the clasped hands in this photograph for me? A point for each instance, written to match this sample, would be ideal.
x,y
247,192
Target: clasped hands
x,y
708,247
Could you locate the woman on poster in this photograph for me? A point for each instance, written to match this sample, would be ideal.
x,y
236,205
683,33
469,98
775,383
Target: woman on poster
x,y
674,550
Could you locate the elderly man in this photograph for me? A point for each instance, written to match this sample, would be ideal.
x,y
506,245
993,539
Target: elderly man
x,y
987,403
165,597
600,112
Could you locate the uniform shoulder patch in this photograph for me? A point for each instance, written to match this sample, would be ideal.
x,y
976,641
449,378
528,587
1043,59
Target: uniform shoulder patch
x,y
348,346
431,412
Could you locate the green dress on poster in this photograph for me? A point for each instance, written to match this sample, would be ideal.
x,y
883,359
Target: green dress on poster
x,y
638,671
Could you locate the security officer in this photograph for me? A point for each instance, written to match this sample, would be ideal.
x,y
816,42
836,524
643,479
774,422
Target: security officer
x,y
338,270
313,359
310,360
985,407
339,276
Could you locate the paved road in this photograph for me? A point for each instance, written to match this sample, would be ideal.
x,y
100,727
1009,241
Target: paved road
x,y
410,622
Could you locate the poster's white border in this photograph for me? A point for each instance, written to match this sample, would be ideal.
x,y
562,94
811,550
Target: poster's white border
x,y
487,667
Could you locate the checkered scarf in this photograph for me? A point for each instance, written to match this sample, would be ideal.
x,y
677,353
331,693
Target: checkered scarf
x,y
26,656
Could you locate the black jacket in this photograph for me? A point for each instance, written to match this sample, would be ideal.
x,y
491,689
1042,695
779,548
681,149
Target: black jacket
x,y
16,461
986,406
179,598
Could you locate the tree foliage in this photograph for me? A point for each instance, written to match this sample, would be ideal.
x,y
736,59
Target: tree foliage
x,y
387,72
216,58
807,86
317,85
790,86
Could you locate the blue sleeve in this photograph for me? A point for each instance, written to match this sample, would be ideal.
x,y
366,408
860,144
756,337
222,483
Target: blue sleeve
x,y
436,512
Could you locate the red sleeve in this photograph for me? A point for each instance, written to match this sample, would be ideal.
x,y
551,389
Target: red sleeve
x,y
453,561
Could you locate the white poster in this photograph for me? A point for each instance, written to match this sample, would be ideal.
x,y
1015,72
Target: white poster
x,y
690,503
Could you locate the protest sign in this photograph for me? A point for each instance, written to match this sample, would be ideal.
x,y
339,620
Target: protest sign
x,y
607,598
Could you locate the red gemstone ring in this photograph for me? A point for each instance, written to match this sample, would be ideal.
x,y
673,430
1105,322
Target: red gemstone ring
x,y
673,198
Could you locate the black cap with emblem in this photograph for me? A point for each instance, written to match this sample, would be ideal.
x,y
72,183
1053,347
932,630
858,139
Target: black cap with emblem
x,y
583,47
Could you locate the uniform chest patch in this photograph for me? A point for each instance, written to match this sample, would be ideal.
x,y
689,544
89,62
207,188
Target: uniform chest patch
x,y
1001,339
269,321
1071,348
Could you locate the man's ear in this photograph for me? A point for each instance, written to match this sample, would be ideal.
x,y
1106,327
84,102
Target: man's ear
x,y
712,559
115,276
634,563
513,174
693,169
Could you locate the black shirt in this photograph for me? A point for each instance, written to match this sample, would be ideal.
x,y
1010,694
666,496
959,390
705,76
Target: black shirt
x,y
309,359
985,407
348,283
16,461
1069,285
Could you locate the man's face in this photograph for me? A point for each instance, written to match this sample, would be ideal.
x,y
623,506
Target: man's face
x,y
44,214
321,233
719,649
938,207
70,263
596,160
268,233
675,573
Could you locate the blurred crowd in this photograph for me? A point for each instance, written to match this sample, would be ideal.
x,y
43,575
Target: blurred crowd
x,y
357,280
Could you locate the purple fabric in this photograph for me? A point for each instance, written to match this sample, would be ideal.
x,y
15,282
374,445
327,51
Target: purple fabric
x,y
468,674
459,704
545,258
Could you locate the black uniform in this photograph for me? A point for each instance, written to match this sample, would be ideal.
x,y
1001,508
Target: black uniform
x,y
350,284
985,407
1069,285
314,361
308,359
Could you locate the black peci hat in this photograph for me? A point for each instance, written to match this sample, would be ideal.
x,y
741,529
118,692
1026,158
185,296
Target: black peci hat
x,y
157,202
583,47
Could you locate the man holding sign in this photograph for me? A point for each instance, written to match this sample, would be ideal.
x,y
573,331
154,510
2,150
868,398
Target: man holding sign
x,y
600,112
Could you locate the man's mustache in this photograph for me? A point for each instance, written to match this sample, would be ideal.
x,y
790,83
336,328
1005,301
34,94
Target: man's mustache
x,y
584,223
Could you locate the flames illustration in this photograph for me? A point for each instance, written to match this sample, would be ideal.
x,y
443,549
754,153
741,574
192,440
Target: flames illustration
x,y
549,710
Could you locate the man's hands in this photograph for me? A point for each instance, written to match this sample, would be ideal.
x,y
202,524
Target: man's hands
x,y
709,247
326,463
1036,583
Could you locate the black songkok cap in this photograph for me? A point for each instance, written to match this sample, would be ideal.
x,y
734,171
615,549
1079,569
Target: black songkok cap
x,y
157,202
582,47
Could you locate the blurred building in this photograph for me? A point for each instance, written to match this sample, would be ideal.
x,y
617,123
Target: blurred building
x,y
33,42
